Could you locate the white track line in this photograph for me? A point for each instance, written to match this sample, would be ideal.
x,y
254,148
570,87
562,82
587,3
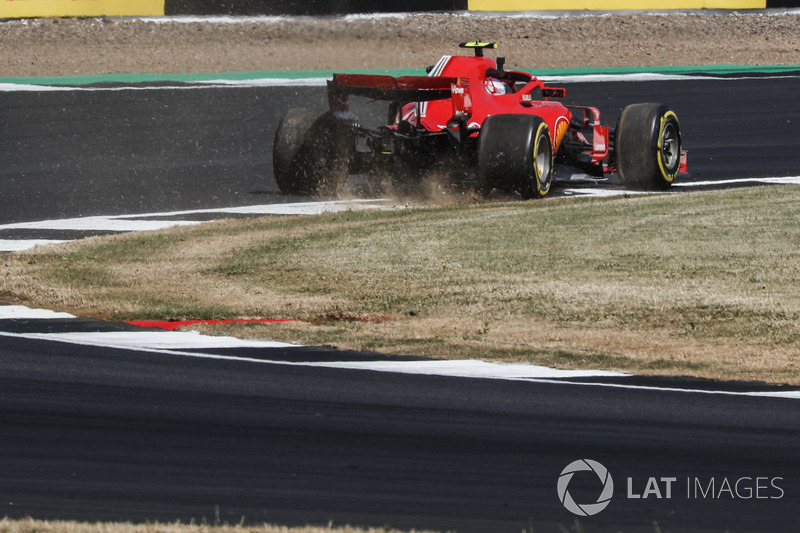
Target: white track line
x,y
21,312
181,343
456,369
321,80
17,245
125,223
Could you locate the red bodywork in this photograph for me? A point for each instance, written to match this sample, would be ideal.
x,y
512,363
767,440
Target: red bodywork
x,y
460,92
477,91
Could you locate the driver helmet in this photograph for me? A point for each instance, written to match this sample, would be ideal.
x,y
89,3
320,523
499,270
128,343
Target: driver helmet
x,y
495,86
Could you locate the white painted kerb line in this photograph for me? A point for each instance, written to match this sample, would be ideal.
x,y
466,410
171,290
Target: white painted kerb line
x,y
11,245
21,312
455,369
181,343
125,223
158,340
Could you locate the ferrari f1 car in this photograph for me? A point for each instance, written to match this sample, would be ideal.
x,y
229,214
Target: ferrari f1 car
x,y
472,120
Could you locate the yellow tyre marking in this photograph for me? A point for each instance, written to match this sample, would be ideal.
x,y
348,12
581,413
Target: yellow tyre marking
x,y
538,171
664,118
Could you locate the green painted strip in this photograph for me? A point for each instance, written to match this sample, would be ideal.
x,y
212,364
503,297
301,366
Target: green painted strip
x,y
326,74
92,79
719,70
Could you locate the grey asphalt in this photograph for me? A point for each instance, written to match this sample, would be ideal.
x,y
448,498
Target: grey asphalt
x,y
95,433
70,154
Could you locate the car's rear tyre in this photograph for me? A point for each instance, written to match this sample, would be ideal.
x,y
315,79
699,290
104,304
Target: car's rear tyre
x,y
312,153
515,154
647,147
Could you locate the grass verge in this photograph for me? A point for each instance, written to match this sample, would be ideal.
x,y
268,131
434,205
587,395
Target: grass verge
x,y
42,526
703,283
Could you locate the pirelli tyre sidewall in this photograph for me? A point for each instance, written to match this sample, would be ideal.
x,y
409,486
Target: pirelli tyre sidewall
x,y
515,154
647,146
312,153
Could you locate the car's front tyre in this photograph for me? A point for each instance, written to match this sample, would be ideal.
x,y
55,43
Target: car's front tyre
x,y
647,147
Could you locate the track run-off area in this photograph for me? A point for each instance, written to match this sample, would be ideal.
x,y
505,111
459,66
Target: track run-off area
x,y
105,421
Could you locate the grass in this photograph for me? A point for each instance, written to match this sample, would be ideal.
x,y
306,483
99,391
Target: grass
x,y
704,284
42,526
30,525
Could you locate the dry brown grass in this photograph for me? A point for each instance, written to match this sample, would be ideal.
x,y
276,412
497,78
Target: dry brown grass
x,y
42,526
701,284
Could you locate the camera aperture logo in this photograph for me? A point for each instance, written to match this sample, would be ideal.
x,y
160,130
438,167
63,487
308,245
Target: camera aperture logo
x,y
585,509
596,479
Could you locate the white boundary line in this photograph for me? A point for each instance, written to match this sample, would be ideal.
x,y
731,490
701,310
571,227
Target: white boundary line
x,y
787,180
20,245
320,81
21,312
154,343
125,223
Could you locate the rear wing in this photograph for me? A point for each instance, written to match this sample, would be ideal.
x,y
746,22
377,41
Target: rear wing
x,y
379,87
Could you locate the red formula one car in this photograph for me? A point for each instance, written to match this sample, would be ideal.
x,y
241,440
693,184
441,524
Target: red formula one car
x,y
471,120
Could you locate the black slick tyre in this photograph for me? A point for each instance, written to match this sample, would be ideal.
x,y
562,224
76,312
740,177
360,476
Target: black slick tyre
x,y
311,153
515,154
647,147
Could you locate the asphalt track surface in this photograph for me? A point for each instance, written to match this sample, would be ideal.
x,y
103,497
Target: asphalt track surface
x,y
93,432
79,153
96,432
